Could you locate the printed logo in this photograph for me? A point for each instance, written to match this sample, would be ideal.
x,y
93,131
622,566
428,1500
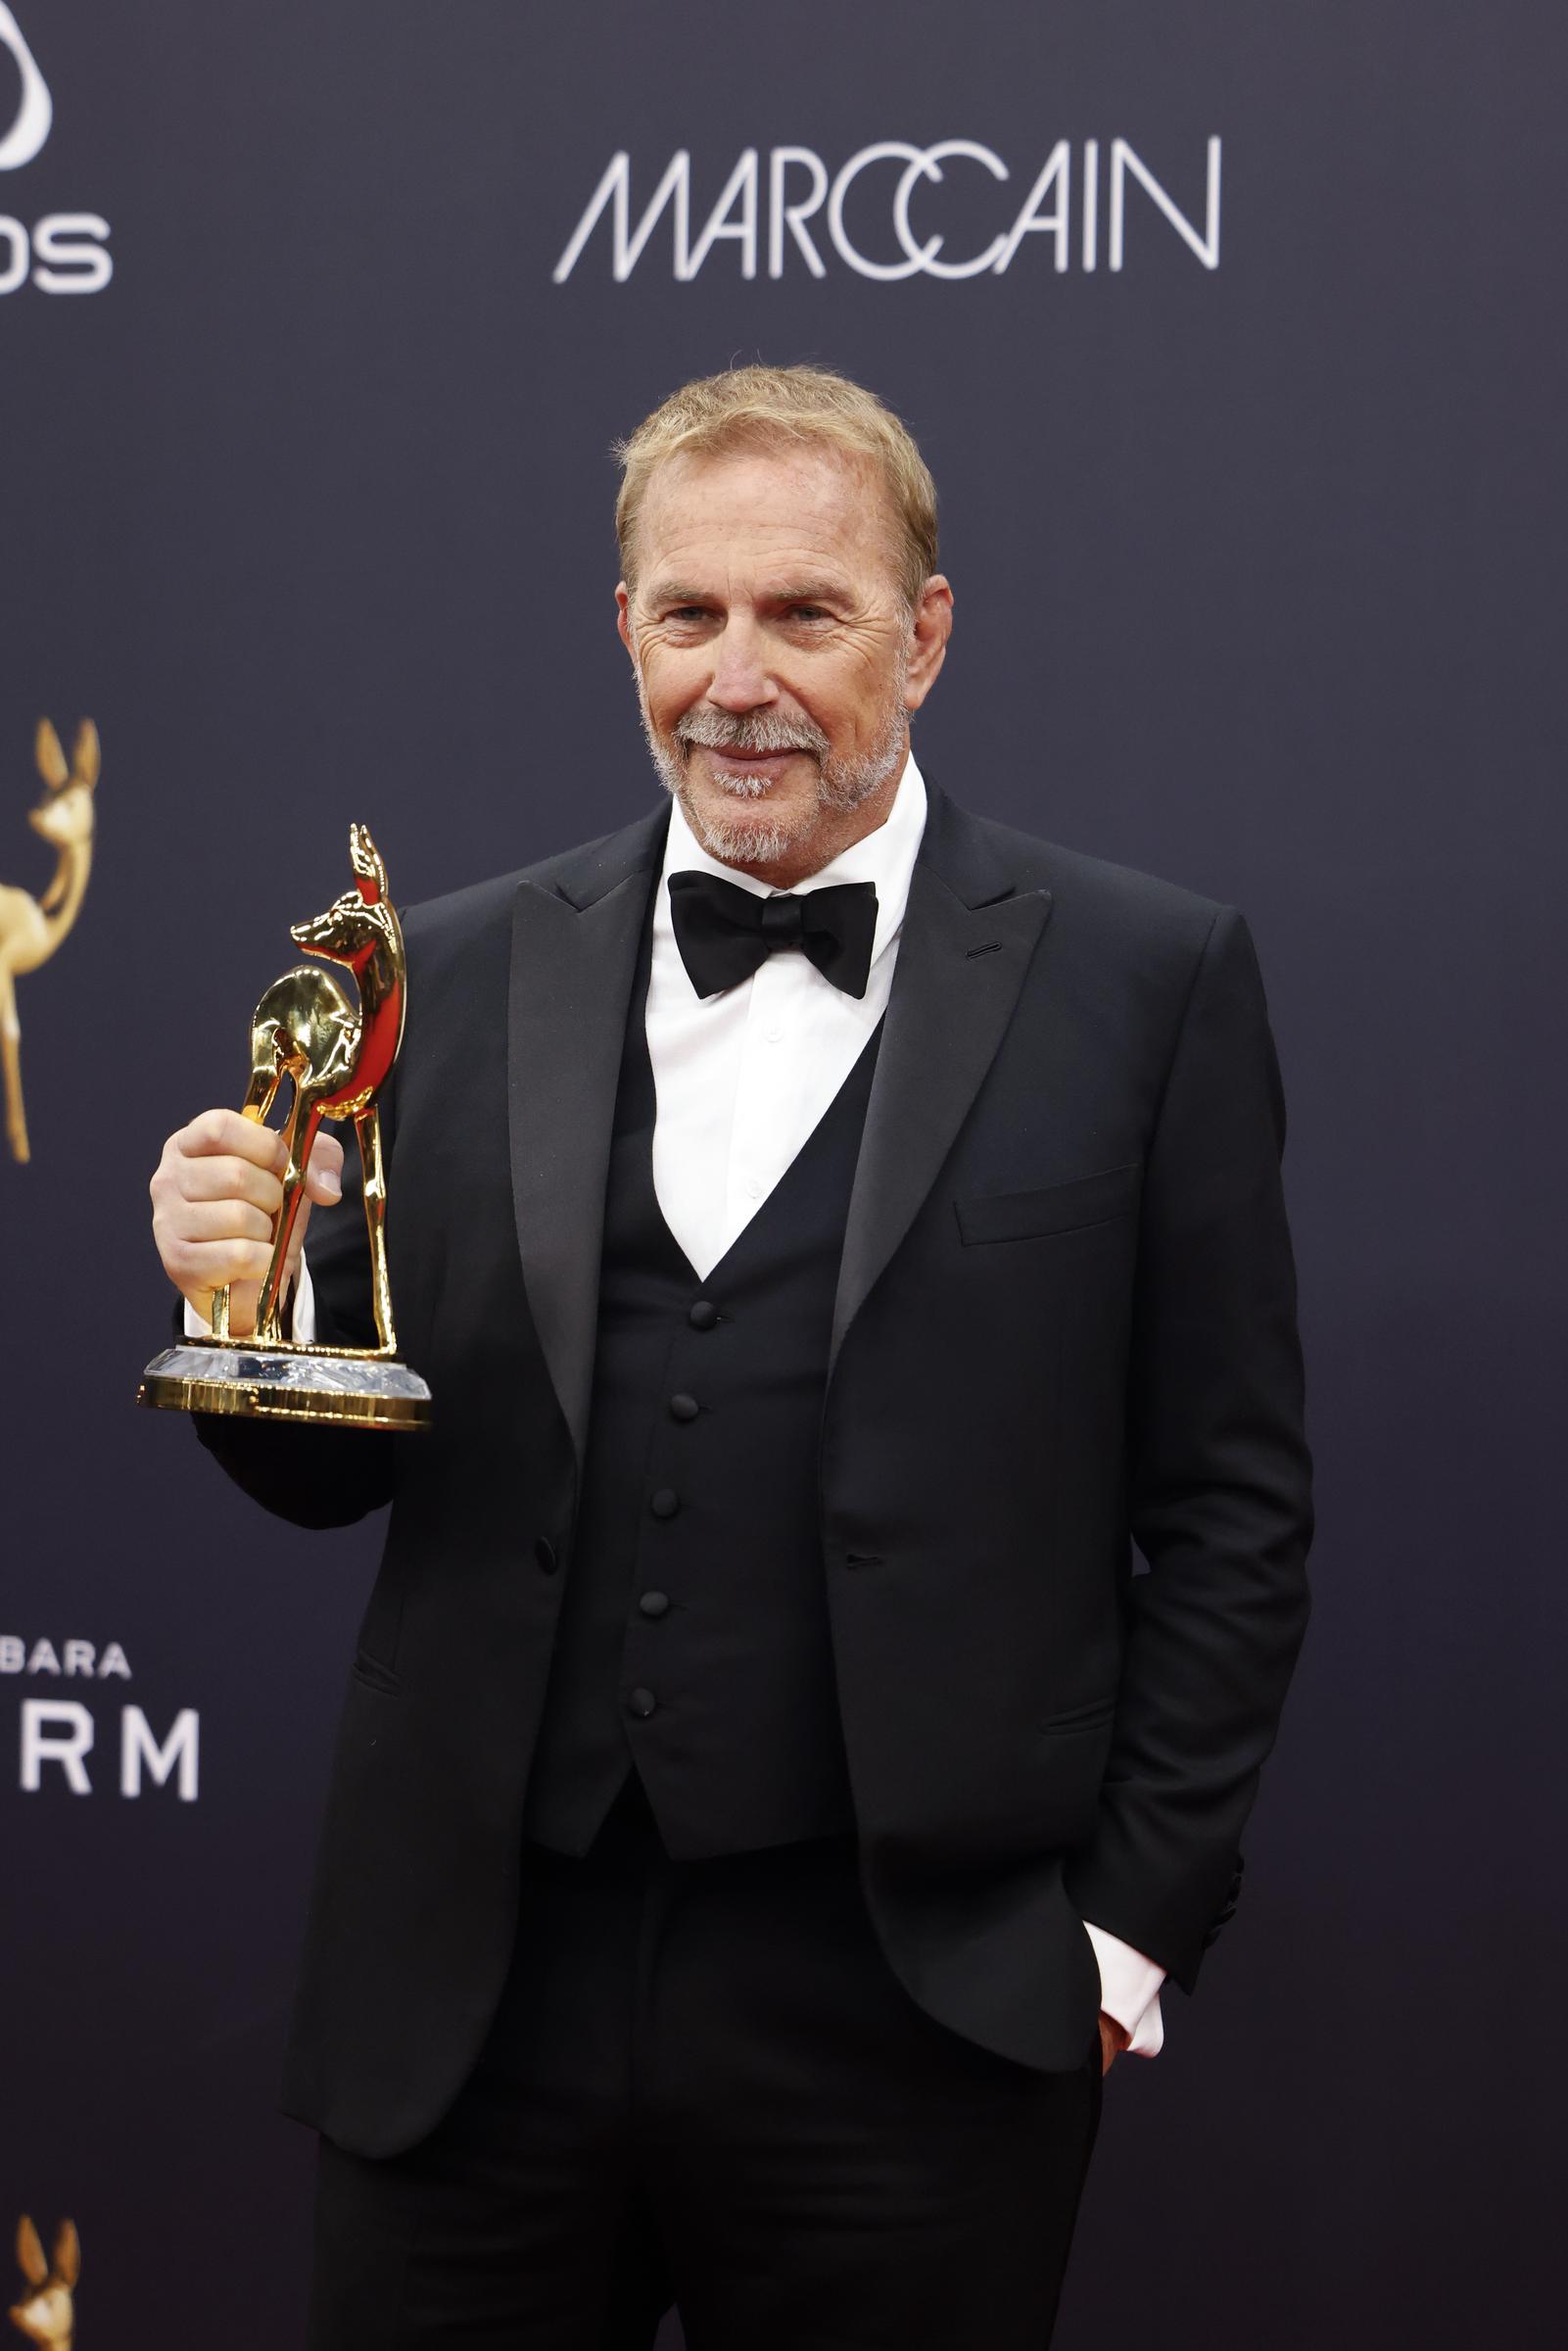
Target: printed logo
x,y
31,929
788,211
48,2315
63,253
36,111
58,1743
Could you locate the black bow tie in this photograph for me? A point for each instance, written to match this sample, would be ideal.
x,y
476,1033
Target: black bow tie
x,y
724,932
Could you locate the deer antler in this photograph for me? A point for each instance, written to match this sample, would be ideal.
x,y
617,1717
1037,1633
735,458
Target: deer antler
x,y
51,758
30,2252
365,859
85,756
68,2253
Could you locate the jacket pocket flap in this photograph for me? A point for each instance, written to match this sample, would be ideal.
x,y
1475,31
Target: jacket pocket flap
x,y
374,1675
1060,1208
1088,1717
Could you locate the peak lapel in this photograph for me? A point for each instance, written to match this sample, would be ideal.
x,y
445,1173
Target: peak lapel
x,y
965,946
574,953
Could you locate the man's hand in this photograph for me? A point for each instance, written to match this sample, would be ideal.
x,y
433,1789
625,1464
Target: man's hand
x,y
216,1192
1114,2039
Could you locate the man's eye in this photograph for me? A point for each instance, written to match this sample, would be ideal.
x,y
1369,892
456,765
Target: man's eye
x,y
686,612
809,612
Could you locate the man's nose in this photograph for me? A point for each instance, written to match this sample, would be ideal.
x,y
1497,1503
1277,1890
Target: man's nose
x,y
740,679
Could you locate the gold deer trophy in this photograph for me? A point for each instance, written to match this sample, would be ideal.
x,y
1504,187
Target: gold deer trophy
x,y
49,2313
31,929
337,1055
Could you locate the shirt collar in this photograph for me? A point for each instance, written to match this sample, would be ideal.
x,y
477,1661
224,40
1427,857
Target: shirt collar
x,y
885,857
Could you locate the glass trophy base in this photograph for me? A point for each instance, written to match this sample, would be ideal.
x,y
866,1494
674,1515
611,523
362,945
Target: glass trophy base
x,y
286,1384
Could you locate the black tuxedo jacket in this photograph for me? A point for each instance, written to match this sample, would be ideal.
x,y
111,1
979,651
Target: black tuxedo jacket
x,y
1065,1326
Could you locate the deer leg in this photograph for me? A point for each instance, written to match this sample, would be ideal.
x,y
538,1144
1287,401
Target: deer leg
x,y
15,1115
260,1094
367,1134
11,1063
266,1075
299,1135
271,1053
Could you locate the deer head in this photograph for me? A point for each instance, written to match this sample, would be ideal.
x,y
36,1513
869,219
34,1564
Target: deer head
x,y
65,814
48,2316
355,925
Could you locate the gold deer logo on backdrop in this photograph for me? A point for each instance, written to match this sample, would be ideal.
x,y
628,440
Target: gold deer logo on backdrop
x,y
31,929
48,2315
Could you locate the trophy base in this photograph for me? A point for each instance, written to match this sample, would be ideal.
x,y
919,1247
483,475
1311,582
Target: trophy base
x,y
286,1384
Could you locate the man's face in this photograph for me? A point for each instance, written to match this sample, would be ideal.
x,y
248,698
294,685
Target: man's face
x,y
777,661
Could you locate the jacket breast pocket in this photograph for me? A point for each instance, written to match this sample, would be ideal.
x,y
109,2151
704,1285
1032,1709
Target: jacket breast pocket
x,y
1059,1208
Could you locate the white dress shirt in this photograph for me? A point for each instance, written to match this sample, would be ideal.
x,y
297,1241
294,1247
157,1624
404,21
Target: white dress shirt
x,y
741,1078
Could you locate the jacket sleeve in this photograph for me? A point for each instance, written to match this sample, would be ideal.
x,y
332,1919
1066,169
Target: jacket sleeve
x,y
1218,1481
321,1476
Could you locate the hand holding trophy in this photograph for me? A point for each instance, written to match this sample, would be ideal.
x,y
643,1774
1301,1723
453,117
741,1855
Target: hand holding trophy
x,y
337,1055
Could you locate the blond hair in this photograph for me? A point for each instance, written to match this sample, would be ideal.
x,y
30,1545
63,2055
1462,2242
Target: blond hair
x,y
769,407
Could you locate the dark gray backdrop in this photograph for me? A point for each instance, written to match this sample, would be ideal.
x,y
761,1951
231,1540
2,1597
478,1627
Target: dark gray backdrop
x,y
1257,570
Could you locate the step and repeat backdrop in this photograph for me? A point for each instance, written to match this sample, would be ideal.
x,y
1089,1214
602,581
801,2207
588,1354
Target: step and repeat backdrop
x,y
1234,337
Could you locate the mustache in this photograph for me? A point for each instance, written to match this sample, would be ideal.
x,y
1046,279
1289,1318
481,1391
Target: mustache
x,y
750,731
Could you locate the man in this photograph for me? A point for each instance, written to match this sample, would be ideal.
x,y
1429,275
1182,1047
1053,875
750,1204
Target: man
x,y
835,1229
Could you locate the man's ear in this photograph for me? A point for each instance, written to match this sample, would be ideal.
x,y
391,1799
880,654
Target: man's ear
x,y
623,606
930,629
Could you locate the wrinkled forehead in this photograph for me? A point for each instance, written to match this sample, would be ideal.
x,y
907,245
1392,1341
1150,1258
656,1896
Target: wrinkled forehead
x,y
763,509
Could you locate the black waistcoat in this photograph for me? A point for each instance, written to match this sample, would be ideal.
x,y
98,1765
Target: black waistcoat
x,y
693,1641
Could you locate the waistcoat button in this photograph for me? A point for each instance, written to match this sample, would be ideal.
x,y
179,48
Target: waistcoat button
x,y
640,1702
684,1407
702,1316
654,1604
665,1502
544,1554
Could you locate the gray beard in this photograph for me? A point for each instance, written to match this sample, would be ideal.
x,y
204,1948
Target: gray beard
x,y
841,783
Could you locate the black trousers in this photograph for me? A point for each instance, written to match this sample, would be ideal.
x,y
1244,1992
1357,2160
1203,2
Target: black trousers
x,y
705,2086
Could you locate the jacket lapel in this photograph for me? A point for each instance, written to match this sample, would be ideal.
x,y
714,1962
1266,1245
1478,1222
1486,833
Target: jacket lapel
x,y
968,937
966,941
575,940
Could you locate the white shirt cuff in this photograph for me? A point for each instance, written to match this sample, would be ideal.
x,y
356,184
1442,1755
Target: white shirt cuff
x,y
302,1326
1129,1990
